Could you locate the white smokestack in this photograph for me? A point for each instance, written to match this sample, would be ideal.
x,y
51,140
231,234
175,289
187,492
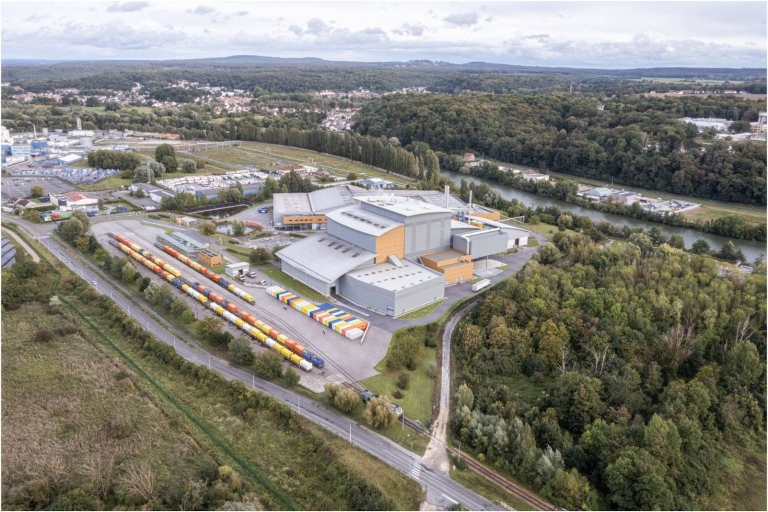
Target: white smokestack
x,y
469,212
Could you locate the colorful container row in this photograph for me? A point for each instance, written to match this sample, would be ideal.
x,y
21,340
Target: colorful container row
x,y
261,337
329,315
226,314
264,328
154,259
208,273
166,275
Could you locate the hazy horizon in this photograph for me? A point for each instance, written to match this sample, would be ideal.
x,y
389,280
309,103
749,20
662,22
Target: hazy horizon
x,y
546,34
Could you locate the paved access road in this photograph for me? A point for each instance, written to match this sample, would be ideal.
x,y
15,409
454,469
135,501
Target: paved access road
x,y
443,491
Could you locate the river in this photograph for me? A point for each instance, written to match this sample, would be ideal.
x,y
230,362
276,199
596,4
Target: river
x,y
751,249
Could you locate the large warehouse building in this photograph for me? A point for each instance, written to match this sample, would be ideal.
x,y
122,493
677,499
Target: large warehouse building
x,y
390,253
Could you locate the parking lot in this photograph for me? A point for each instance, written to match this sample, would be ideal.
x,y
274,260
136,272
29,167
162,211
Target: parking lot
x,y
22,187
270,242
76,175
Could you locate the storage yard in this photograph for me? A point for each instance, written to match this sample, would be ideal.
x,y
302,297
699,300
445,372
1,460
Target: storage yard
x,y
76,175
343,359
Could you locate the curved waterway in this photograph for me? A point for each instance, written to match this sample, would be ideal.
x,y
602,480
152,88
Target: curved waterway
x,y
750,248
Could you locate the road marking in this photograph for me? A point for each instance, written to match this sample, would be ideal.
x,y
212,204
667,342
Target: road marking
x,y
450,499
416,470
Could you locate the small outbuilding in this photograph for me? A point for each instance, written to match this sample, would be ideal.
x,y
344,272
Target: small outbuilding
x,y
236,269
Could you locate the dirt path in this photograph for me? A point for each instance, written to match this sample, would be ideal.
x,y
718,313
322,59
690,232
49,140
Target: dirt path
x,y
436,456
23,244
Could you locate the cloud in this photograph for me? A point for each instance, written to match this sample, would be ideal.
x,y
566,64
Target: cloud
x,y
35,18
202,9
296,30
131,6
316,27
113,36
462,20
641,50
410,30
240,13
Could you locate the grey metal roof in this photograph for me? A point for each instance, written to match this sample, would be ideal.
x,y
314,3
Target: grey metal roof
x,y
325,257
392,278
363,221
189,241
513,231
330,198
405,206
445,255
296,203
175,243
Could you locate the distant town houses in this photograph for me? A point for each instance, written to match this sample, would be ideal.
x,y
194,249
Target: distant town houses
x,y
340,120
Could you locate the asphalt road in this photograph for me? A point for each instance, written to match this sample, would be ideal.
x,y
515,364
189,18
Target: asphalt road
x,y
443,491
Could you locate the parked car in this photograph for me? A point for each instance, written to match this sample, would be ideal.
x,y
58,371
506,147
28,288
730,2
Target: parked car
x,y
263,282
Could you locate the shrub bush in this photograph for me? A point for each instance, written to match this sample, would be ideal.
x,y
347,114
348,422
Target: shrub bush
x,y
403,380
43,336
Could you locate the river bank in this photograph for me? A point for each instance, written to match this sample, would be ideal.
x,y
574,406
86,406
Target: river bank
x,y
751,249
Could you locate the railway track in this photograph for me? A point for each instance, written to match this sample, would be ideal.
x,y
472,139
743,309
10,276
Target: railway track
x,y
513,489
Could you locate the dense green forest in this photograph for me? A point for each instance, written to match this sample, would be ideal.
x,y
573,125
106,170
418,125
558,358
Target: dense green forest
x,y
191,122
634,140
626,377
308,75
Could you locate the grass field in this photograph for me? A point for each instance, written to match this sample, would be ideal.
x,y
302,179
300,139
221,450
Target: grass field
x,y
417,399
548,230
265,156
337,165
102,110
68,403
403,436
747,486
421,312
488,489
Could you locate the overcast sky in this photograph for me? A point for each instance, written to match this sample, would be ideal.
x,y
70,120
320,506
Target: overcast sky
x,y
577,34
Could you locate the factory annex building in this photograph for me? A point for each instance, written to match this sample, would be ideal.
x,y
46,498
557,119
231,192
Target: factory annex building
x,y
390,253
